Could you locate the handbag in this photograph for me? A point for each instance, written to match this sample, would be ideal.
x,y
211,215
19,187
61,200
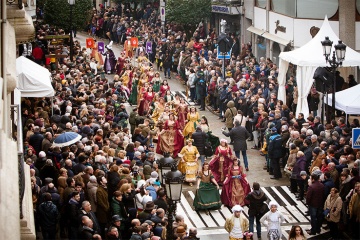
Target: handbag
x,y
208,149
264,209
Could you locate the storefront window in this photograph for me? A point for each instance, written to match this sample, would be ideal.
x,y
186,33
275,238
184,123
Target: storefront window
x,y
261,3
286,7
317,9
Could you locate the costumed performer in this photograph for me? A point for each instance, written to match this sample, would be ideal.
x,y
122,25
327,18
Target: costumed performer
x,y
221,161
188,164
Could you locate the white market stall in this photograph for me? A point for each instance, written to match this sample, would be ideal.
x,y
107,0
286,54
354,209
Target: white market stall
x,y
347,100
308,58
33,79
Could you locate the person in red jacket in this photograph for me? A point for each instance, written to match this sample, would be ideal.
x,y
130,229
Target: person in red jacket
x,y
38,54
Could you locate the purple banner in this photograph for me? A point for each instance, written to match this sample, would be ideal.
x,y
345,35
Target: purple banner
x,y
101,47
148,47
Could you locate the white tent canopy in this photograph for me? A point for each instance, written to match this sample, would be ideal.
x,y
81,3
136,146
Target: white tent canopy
x,y
347,100
33,79
308,58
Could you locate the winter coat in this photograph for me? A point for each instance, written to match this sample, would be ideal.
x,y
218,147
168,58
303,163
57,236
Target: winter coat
x,y
345,188
199,141
256,201
300,165
292,157
334,204
36,142
118,208
230,113
315,195
102,210
48,215
239,135
275,148
244,223
353,200
91,192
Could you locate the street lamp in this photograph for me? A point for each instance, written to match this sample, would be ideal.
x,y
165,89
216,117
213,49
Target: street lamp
x,y
165,164
173,185
335,61
71,3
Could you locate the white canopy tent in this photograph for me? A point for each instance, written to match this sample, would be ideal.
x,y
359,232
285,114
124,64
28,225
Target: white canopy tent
x,y
347,100
308,58
33,79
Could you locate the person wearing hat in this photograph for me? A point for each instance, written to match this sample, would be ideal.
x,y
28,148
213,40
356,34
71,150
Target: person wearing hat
x,y
148,211
272,220
110,59
275,152
236,224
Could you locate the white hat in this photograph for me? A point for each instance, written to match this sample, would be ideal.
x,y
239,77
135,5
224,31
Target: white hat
x,y
273,203
140,183
110,45
42,154
237,208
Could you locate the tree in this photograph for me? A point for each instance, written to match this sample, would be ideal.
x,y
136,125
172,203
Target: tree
x,y
188,13
57,13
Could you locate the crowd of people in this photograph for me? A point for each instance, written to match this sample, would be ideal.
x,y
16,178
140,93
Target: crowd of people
x,y
106,186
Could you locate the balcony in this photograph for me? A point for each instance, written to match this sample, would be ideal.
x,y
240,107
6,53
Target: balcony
x,y
21,21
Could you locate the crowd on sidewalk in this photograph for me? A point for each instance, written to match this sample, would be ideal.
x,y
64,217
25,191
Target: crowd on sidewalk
x,y
106,185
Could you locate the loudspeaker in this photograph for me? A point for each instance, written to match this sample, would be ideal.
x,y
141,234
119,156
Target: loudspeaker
x,y
321,77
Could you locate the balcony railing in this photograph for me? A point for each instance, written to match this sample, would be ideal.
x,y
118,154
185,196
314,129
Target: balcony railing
x,y
17,134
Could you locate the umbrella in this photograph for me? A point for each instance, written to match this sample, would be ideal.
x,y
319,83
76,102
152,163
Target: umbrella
x,y
66,139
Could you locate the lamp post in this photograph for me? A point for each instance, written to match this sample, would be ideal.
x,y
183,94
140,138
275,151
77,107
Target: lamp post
x,y
173,185
223,43
71,3
336,60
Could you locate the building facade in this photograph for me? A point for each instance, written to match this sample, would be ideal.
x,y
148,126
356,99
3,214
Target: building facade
x,y
16,209
274,26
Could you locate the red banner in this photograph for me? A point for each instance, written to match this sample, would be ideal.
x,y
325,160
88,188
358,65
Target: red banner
x,y
90,43
134,42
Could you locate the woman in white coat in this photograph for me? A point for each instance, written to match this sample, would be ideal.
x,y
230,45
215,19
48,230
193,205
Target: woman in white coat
x,y
272,220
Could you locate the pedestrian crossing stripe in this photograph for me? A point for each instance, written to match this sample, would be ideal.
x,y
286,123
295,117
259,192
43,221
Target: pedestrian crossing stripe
x,y
213,223
182,94
356,138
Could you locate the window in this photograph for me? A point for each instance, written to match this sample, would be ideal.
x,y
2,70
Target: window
x,y
358,6
317,9
286,7
261,3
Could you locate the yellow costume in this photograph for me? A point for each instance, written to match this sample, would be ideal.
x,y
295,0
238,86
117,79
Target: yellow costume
x,y
191,124
190,166
159,109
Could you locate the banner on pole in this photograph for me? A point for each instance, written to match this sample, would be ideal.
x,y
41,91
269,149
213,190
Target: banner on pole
x,y
90,43
134,42
101,47
148,47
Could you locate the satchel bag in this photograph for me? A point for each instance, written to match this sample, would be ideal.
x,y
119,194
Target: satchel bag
x,y
208,149
264,209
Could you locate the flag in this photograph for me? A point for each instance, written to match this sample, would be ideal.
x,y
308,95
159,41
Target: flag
x,y
148,47
134,42
90,43
101,47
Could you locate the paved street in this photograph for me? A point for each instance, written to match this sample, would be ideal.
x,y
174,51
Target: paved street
x,y
209,225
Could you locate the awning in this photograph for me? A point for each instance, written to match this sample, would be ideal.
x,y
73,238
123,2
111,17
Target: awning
x,y
255,30
275,38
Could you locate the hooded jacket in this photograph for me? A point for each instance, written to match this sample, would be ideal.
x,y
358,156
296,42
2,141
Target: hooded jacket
x,y
230,113
48,214
256,199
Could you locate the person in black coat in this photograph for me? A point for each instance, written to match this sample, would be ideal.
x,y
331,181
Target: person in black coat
x,y
239,134
36,140
199,138
257,207
48,216
275,152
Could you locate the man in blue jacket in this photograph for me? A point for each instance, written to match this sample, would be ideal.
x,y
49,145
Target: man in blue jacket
x,y
275,152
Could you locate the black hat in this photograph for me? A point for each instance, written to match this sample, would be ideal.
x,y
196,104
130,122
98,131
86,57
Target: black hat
x,y
116,218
